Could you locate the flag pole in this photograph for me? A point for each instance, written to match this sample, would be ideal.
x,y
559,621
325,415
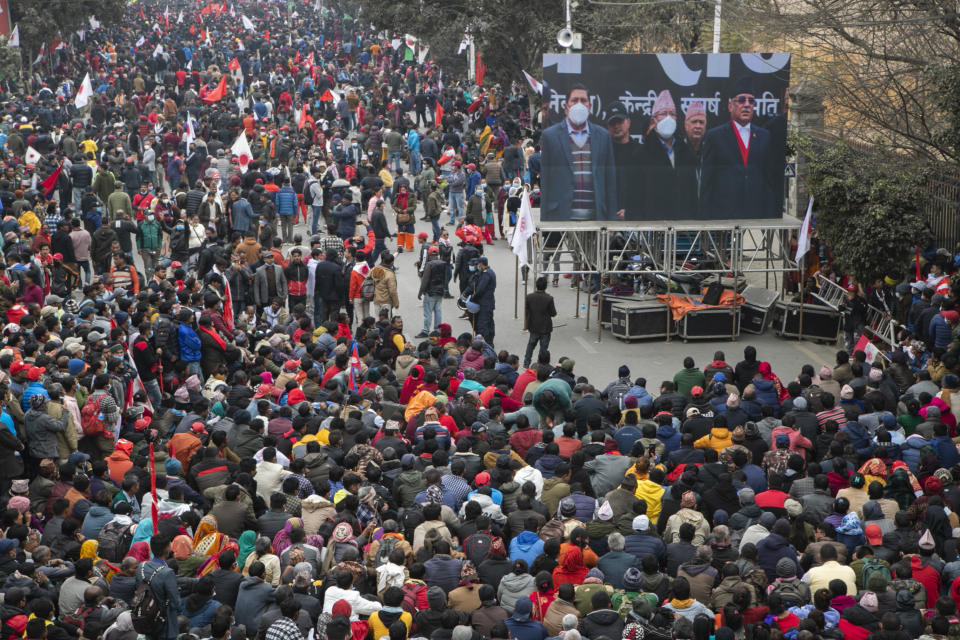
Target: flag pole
x,y
802,297
516,284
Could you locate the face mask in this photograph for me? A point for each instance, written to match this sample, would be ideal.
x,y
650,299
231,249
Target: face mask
x,y
179,227
578,113
472,268
479,192
150,218
667,127
170,155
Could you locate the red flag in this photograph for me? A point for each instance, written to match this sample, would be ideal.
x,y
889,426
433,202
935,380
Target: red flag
x,y
51,183
217,93
222,8
296,58
266,34
481,69
919,275
303,116
327,96
439,120
234,64
227,306
142,17
475,104
193,29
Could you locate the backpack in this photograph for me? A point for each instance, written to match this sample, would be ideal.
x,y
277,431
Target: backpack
x,y
477,547
616,393
791,593
368,288
872,565
115,539
412,518
91,417
411,591
387,545
79,617
147,613
308,192
712,294
552,529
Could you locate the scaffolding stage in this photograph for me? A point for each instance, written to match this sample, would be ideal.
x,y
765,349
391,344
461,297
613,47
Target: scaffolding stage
x,y
732,250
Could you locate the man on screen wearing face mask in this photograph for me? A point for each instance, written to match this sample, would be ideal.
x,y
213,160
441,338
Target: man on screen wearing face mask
x,y
667,166
578,170
735,176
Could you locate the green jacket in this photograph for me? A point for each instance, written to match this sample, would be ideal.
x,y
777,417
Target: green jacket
x,y
149,236
117,203
103,184
687,379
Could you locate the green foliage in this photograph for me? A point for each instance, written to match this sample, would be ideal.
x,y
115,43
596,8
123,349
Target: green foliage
x,y
10,62
41,22
946,79
869,207
513,36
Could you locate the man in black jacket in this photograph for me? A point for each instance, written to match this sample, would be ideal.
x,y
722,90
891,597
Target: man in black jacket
x,y
539,311
431,290
328,292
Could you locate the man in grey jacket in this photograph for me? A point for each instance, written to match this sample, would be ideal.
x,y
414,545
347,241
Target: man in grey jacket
x,y
42,429
269,282
163,583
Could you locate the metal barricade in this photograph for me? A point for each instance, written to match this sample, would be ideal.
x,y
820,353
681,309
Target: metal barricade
x,y
829,293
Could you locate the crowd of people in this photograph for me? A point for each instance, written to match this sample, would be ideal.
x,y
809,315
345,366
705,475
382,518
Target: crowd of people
x,y
215,425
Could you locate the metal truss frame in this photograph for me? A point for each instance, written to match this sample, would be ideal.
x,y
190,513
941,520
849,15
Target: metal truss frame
x,y
722,248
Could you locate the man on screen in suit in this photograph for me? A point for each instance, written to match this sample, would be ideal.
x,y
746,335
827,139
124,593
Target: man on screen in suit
x,y
579,174
735,172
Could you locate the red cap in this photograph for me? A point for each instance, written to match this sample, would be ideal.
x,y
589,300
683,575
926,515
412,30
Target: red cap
x,y
18,366
873,535
197,427
291,365
58,256
482,479
34,373
851,287
433,249
696,391
176,264
422,235
142,423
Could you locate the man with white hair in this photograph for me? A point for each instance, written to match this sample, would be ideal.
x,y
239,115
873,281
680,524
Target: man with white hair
x,y
668,168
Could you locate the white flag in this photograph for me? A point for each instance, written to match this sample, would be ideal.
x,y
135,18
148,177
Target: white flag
x,y
158,51
464,43
140,42
423,54
241,149
85,93
94,23
39,56
246,23
14,39
803,242
534,84
190,134
524,230
180,18
190,64
82,34
32,156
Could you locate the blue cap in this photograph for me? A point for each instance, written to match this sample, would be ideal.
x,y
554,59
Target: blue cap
x,y
6,544
121,316
719,377
173,466
76,366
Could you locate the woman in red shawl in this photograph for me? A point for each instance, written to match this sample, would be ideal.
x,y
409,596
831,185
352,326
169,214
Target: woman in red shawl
x,y
410,384
571,567
543,596
765,370
140,551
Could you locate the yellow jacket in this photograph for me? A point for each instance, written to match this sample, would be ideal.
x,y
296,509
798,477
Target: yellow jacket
x,y
651,493
718,439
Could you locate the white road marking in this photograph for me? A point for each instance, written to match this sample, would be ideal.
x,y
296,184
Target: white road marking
x,y
586,346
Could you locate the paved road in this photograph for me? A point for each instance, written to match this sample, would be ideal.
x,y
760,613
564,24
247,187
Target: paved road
x,y
598,361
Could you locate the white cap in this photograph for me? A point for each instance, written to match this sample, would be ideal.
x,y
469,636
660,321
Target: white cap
x,y
641,523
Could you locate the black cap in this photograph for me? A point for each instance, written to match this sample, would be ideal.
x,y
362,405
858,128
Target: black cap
x,y
743,85
616,109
